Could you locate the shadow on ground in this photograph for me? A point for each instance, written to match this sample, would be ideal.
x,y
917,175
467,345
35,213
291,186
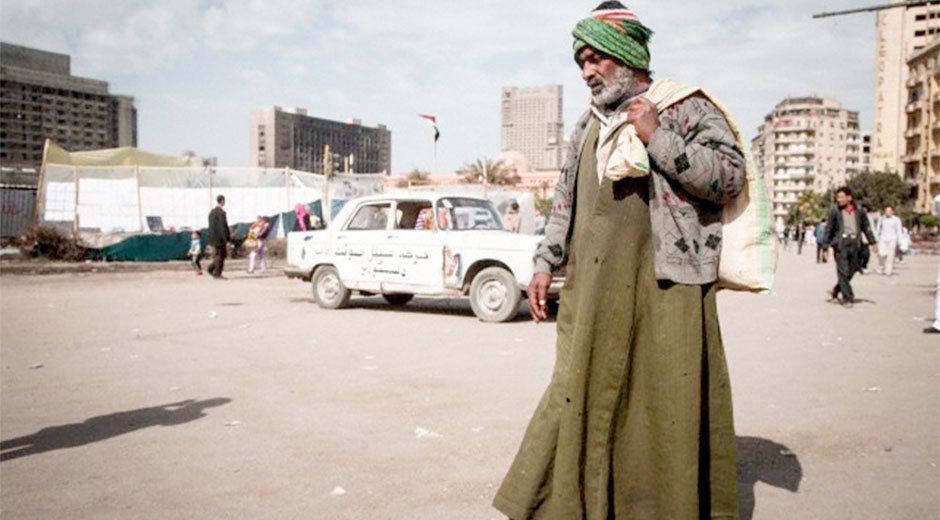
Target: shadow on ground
x,y
441,306
105,427
762,460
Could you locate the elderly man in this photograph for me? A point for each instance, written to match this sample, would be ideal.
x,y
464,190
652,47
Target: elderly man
x,y
636,422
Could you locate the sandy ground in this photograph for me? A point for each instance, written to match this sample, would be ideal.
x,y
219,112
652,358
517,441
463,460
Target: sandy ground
x,y
162,395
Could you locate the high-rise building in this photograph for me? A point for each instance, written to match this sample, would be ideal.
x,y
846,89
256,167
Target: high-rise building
x,y
807,144
532,125
40,99
289,138
902,31
921,157
866,152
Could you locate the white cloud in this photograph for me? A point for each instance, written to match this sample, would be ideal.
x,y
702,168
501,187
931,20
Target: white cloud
x,y
104,36
246,24
385,61
139,37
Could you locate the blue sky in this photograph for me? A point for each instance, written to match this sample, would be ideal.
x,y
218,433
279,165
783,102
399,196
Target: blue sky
x,y
197,67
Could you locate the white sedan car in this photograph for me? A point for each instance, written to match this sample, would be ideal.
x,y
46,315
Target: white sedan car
x,y
417,243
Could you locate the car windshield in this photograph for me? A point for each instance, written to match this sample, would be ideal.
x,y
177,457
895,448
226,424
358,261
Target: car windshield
x,y
460,214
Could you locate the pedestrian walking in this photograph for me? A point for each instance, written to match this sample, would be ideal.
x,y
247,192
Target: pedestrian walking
x,y
934,328
904,244
821,245
636,421
195,252
800,235
889,234
219,237
847,224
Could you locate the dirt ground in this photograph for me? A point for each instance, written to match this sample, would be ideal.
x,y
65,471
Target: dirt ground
x,y
157,394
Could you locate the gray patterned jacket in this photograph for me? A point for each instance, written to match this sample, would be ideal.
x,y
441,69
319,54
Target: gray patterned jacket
x,y
697,166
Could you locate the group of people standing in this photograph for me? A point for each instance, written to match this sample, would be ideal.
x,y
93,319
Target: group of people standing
x,y
219,237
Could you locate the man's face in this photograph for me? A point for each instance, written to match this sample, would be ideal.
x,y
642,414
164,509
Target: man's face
x,y
843,199
608,79
889,211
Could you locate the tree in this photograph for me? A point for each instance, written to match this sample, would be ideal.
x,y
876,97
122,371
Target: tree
x,y
875,190
497,173
810,207
543,198
414,178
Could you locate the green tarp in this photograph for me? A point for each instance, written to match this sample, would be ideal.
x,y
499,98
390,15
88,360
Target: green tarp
x,y
175,246
148,248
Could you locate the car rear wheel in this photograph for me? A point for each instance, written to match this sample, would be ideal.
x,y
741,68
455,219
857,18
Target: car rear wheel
x,y
398,299
495,295
328,290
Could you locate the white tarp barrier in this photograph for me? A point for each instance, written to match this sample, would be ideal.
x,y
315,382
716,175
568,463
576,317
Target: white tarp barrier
x,y
121,198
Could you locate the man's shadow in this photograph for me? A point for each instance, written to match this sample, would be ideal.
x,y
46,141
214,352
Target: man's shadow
x,y
106,426
761,460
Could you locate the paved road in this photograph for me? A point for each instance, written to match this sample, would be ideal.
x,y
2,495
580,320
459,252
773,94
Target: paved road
x,y
156,395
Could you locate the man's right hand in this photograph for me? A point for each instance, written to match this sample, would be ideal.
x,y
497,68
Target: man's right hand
x,y
537,293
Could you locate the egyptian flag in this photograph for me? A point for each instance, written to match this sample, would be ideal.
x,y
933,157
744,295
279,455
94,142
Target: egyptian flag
x,y
433,122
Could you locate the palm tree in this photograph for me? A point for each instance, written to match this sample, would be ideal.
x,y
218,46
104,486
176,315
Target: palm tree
x,y
496,173
810,206
544,186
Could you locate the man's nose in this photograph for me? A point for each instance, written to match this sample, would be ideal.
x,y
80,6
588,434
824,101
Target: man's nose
x,y
587,71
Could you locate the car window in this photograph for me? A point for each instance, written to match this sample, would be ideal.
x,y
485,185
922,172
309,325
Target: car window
x,y
370,217
413,214
459,214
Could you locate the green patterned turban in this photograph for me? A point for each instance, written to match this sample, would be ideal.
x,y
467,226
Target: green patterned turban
x,y
615,30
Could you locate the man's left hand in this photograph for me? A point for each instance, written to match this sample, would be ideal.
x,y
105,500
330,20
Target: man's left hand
x,y
642,114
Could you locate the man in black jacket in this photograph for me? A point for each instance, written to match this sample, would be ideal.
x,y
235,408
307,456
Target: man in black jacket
x,y
219,236
847,224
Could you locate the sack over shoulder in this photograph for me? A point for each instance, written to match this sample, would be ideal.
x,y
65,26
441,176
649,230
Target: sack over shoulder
x,y
748,249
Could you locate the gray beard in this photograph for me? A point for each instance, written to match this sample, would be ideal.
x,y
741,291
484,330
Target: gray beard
x,y
621,85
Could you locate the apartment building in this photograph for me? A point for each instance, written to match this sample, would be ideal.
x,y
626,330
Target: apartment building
x,y
902,31
532,124
40,99
289,138
921,159
807,144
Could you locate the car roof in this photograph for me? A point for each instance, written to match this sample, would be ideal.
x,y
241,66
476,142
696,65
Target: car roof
x,y
414,195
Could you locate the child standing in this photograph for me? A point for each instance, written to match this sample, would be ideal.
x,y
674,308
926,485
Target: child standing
x,y
254,244
195,252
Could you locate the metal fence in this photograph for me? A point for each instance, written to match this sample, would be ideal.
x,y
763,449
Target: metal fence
x,y
16,210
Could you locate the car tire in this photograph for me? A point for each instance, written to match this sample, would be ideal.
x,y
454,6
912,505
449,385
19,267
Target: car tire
x,y
495,295
328,290
398,299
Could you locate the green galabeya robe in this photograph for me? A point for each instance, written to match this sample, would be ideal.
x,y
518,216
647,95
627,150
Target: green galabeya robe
x,y
636,422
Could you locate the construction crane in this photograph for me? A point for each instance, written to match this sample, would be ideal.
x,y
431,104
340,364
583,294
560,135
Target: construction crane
x,y
909,3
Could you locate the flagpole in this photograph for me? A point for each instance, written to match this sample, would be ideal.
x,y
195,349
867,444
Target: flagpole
x,y
434,164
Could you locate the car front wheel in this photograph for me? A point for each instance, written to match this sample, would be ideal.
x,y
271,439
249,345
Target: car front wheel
x,y
328,290
495,295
